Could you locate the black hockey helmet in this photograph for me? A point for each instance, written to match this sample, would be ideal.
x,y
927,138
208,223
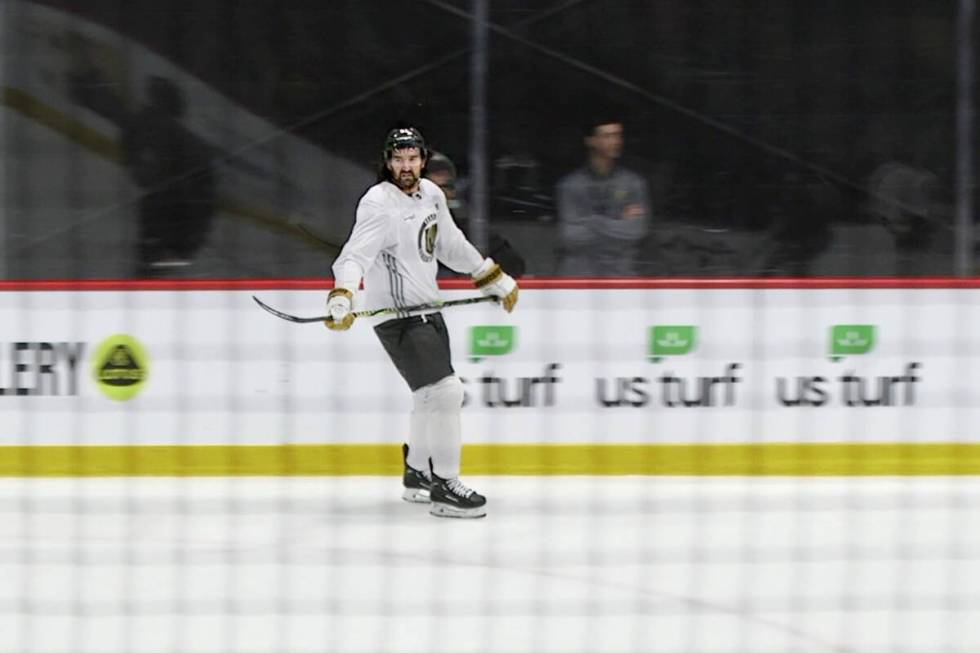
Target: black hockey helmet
x,y
401,137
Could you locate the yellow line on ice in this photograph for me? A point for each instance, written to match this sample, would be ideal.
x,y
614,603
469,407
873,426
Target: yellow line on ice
x,y
758,459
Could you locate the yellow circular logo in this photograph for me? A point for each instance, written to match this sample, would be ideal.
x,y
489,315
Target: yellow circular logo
x,y
120,367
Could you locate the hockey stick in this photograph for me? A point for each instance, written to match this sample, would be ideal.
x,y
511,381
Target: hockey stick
x,y
379,311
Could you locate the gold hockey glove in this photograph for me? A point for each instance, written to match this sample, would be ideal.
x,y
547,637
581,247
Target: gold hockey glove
x,y
493,281
339,304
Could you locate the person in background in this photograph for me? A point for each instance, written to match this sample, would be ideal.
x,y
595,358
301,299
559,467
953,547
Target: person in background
x,y
441,170
603,208
803,210
173,168
909,201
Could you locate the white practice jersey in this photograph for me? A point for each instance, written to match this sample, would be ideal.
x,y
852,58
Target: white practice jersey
x,y
397,242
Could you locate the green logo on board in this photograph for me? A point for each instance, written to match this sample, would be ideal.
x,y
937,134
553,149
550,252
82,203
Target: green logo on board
x,y
851,340
671,340
120,367
492,340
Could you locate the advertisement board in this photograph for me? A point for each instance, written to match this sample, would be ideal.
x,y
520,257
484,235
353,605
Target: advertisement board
x,y
569,366
700,374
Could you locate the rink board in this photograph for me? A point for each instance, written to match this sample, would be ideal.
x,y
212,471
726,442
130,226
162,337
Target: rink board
x,y
632,378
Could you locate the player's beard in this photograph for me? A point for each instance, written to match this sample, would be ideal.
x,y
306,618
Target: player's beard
x,y
407,180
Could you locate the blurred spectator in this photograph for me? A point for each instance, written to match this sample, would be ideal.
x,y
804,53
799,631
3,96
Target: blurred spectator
x,y
907,164
173,168
805,205
603,209
908,200
441,170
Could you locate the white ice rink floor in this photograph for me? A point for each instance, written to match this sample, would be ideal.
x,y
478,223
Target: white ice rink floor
x,y
560,564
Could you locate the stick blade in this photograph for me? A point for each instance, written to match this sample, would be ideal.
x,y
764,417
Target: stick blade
x,y
286,316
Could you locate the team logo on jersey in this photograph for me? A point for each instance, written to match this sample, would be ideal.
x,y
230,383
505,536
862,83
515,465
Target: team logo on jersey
x,y
428,233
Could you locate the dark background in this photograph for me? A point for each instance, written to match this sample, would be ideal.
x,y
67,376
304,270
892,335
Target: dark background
x,y
747,117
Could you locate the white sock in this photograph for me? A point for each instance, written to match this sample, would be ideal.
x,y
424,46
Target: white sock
x,y
418,437
444,401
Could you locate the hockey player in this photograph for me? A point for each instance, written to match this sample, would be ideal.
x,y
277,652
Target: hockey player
x,y
403,229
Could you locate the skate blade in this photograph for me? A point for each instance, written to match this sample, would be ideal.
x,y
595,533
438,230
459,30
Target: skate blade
x,y
414,495
443,510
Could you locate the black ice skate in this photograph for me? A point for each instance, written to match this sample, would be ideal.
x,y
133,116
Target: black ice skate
x,y
450,498
416,481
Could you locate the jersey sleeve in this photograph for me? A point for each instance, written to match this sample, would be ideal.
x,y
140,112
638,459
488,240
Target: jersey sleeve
x,y
452,248
370,235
